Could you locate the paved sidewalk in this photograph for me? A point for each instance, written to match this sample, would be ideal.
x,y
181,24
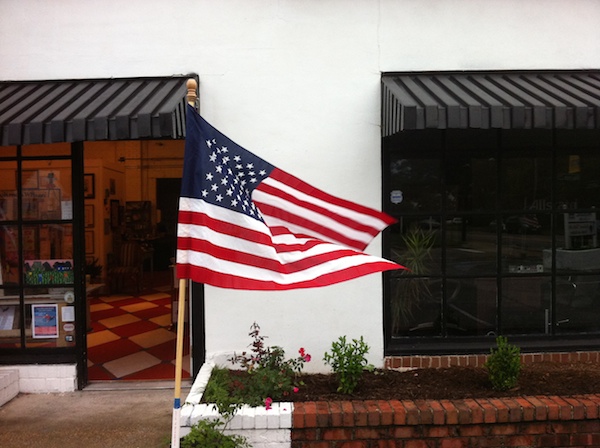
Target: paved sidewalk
x,y
92,418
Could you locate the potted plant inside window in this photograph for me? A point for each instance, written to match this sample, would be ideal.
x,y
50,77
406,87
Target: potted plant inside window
x,y
94,270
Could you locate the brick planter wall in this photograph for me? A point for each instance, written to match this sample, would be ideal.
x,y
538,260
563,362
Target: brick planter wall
x,y
525,422
539,421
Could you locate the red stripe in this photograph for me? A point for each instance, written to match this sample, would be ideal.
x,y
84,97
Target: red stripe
x,y
272,264
205,275
300,185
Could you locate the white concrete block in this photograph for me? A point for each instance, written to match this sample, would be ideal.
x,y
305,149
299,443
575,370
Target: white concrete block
x,y
285,415
273,417
68,384
236,422
24,371
247,414
260,418
186,413
203,412
32,385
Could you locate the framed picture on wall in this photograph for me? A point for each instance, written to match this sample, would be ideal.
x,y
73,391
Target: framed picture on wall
x,y
89,188
89,242
89,215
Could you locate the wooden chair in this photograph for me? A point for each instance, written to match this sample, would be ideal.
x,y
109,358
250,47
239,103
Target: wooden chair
x,y
127,268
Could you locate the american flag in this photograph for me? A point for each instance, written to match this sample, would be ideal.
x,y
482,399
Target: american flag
x,y
245,224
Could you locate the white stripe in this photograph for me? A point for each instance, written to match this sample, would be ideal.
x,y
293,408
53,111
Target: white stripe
x,y
365,219
261,274
322,220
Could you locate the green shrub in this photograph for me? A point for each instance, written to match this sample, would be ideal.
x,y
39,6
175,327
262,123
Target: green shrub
x,y
222,391
504,365
348,361
208,434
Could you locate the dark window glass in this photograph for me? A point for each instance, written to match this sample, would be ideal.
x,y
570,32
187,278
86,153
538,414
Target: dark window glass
x,y
414,185
471,307
471,181
526,182
416,306
577,303
498,239
471,245
524,307
577,180
526,243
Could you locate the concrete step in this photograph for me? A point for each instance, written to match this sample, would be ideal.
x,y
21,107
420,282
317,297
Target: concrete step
x,y
9,385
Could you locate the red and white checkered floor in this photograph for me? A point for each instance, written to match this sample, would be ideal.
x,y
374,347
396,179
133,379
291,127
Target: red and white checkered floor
x,y
132,337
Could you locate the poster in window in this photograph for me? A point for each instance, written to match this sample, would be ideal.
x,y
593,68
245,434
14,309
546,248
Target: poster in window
x,y
29,179
44,321
49,179
31,206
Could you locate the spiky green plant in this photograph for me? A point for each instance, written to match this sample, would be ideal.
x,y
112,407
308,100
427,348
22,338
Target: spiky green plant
x,y
416,256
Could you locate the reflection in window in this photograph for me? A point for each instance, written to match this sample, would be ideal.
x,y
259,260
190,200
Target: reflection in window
x,y
471,245
577,303
524,306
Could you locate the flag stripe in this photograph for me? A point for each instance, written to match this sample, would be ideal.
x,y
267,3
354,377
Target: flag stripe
x,y
239,276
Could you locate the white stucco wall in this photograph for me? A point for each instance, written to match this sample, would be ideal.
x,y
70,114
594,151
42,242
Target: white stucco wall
x,y
297,82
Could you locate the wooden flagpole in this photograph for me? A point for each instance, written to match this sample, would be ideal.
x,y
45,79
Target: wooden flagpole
x,y
191,97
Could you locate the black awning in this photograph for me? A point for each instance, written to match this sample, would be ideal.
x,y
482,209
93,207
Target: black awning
x,y
491,100
92,109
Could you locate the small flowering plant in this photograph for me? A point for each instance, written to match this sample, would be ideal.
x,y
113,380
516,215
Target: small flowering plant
x,y
271,376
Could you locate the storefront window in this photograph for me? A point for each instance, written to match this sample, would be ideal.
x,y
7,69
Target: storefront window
x,y
37,301
498,240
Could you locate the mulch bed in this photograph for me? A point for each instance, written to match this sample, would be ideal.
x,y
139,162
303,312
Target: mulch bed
x,y
544,378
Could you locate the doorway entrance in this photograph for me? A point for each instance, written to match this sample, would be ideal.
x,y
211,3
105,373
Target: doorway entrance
x,y
132,333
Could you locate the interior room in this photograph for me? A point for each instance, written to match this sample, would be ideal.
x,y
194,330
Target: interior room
x,y
131,191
